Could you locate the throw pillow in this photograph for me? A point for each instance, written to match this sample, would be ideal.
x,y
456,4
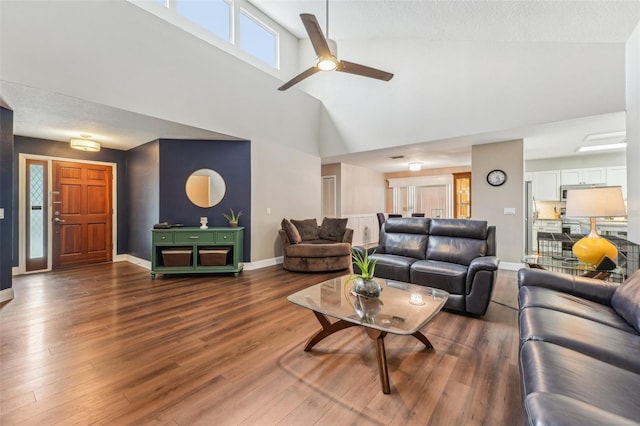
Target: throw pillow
x,y
333,229
626,300
291,231
307,228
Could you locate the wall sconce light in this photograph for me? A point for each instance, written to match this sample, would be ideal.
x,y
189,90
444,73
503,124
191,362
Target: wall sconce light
x,y
415,166
85,144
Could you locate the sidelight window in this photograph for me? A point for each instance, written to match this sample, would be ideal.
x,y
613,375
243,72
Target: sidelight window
x,y
36,215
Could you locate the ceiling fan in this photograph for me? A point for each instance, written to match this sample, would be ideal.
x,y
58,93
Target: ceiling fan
x,y
327,56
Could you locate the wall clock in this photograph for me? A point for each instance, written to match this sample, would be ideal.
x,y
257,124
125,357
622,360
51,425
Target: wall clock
x,y
496,177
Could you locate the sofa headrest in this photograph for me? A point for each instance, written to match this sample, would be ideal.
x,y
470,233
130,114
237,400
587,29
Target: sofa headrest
x,y
407,225
465,228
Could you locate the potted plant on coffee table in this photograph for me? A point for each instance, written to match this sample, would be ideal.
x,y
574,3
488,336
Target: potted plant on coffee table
x,y
364,283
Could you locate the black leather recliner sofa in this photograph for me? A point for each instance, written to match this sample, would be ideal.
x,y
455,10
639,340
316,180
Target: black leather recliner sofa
x,y
579,349
455,255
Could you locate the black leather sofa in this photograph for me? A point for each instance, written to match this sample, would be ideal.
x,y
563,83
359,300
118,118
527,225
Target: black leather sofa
x,y
579,349
456,255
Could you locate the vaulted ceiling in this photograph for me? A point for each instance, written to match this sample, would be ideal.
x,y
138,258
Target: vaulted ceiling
x,y
466,72
416,39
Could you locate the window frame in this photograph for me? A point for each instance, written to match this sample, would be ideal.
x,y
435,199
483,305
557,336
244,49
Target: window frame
x,y
264,26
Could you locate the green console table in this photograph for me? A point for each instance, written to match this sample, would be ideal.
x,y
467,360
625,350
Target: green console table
x,y
188,250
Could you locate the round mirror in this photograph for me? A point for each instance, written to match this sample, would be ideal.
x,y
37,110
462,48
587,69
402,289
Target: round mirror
x,y
205,188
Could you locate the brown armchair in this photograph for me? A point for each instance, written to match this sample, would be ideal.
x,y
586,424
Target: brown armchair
x,y
308,247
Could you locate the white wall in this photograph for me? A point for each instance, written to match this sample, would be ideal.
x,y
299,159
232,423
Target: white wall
x,y
577,162
287,182
362,190
489,201
633,135
116,54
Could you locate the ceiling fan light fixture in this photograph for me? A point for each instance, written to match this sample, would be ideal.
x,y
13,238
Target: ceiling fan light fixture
x,y
329,63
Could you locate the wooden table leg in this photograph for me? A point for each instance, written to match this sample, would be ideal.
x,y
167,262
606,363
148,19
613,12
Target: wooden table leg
x,y
328,329
423,339
381,355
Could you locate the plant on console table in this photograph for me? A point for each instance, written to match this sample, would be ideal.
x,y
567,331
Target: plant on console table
x,y
233,218
363,283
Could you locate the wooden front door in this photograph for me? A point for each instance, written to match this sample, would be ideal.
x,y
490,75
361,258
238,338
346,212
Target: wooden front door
x,y
82,214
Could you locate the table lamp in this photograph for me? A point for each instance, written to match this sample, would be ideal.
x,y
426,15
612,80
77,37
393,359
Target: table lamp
x,y
595,202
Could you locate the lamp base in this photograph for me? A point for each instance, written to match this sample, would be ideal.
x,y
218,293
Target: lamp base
x,y
592,250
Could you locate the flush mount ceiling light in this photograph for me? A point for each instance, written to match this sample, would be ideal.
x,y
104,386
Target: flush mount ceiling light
x,y
415,166
604,147
85,144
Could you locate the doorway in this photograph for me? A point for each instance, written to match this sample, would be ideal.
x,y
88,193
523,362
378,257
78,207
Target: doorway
x,y
329,196
67,214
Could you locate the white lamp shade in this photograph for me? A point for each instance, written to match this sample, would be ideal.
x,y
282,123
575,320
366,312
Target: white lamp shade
x,y
598,201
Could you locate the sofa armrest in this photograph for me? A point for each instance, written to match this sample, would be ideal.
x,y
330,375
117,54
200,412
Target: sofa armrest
x,y
482,263
587,288
348,236
284,238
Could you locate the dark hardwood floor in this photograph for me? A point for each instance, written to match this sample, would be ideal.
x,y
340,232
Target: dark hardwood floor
x,y
105,344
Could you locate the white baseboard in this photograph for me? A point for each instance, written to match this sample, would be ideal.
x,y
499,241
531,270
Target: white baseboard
x,y
15,271
250,266
511,266
132,259
6,294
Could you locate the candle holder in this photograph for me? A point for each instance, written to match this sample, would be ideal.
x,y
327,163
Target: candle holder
x,y
203,223
416,298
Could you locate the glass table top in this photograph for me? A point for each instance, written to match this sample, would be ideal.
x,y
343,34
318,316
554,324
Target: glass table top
x,y
402,308
565,262
570,265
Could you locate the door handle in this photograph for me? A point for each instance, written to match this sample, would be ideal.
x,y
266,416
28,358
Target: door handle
x,y
58,220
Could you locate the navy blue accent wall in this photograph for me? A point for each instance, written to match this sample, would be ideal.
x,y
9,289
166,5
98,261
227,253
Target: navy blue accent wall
x,y
231,159
143,175
6,196
26,145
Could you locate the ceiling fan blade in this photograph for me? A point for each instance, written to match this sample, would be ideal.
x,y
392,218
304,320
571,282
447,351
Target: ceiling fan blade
x,y
363,70
318,41
298,78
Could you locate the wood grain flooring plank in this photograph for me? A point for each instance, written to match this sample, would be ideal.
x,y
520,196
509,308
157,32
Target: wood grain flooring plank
x,y
105,344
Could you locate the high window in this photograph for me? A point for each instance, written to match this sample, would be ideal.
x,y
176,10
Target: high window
x,y
257,39
227,21
213,15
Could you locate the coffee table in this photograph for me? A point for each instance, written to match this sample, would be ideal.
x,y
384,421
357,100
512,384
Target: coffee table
x,y
401,309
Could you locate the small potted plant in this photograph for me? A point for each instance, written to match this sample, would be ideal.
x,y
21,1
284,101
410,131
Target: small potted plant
x,y
233,218
363,283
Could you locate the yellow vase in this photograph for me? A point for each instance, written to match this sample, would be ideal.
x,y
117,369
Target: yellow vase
x,y
593,250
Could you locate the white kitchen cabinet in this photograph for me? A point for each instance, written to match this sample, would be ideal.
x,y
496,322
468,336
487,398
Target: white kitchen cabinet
x,y
583,176
594,175
546,185
617,176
